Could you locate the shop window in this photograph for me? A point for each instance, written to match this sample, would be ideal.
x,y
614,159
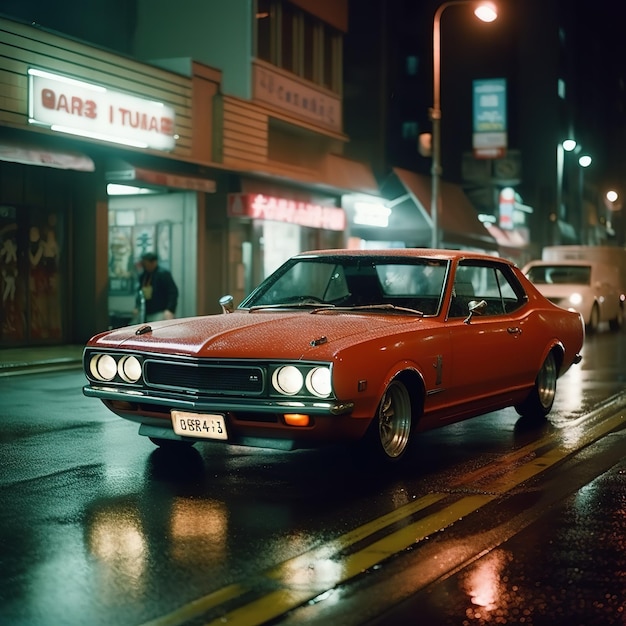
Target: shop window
x,y
299,43
332,60
288,38
32,275
409,130
264,27
411,65
309,45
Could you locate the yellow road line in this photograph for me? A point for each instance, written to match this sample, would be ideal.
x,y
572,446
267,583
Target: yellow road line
x,y
413,533
269,606
551,457
519,454
310,574
197,607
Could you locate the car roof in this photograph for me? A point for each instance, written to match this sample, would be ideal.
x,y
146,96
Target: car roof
x,y
447,255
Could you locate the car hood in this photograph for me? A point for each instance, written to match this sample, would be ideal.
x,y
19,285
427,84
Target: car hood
x,y
260,334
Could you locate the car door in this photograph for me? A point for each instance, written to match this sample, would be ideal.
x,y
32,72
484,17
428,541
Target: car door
x,y
491,353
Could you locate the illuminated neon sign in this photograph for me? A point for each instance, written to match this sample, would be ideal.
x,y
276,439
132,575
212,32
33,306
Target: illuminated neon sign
x,y
78,108
262,207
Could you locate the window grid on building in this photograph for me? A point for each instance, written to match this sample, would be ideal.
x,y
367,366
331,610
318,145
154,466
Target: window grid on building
x,y
295,41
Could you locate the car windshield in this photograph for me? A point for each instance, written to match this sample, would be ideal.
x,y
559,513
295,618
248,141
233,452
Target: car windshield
x,y
354,281
560,274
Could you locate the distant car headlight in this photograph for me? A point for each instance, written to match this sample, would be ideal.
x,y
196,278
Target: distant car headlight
x,y
576,299
318,382
103,367
129,369
287,380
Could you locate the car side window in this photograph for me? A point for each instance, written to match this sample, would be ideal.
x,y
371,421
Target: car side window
x,y
494,284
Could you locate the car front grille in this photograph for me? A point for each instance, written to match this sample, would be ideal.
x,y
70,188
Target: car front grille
x,y
198,378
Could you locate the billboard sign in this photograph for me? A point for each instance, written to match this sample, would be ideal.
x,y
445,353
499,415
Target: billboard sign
x,y
490,123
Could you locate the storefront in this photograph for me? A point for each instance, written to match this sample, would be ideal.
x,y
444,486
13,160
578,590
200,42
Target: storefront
x,y
269,222
69,241
152,211
40,187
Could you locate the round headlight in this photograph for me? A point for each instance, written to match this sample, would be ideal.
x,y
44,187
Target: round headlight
x,y
129,369
288,380
318,382
103,367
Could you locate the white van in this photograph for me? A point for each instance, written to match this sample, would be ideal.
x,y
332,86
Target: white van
x,y
590,287
611,255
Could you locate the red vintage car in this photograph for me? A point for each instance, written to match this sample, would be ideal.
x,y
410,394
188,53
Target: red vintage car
x,y
343,345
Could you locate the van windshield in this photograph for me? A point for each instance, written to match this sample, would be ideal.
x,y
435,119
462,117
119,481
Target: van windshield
x,y
560,274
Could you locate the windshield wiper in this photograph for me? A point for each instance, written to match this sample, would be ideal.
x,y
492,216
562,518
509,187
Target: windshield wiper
x,y
381,307
292,305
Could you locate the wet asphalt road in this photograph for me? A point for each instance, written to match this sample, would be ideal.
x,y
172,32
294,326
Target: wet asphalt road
x,y
501,521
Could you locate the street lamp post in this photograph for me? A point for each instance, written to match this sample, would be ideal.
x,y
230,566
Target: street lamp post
x,y
486,12
568,145
584,161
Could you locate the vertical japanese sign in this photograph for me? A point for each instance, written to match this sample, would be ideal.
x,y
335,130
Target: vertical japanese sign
x,y
490,130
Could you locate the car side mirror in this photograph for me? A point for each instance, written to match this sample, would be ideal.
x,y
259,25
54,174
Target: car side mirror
x,y
227,303
476,307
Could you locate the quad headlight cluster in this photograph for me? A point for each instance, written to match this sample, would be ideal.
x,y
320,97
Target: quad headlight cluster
x,y
106,367
290,380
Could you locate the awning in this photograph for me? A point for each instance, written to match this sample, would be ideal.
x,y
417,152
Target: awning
x,y
349,175
458,220
507,238
33,154
123,172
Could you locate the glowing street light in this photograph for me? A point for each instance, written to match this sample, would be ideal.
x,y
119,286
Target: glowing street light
x,y
485,11
568,145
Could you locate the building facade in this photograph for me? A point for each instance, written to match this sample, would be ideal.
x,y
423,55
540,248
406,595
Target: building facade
x,y
224,159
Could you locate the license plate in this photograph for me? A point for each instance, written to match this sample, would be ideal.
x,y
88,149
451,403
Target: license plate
x,y
204,426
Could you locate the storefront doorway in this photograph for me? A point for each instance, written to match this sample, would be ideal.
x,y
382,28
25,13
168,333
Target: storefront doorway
x,y
163,222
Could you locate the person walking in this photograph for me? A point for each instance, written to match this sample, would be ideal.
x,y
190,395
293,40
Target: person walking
x,y
158,289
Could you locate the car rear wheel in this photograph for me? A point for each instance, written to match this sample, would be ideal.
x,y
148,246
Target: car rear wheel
x,y
594,319
617,322
540,400
389,435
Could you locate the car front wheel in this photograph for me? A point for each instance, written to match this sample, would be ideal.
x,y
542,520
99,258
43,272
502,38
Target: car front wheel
x,y
389,435
540,400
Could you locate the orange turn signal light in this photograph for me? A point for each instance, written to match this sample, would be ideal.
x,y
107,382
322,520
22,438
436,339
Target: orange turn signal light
x,y
296,419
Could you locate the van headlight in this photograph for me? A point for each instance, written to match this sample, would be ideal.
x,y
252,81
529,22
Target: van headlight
x,y
576,299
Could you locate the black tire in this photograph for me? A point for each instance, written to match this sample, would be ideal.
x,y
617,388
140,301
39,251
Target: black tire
x,y
594,319
389,436
540,400
618,321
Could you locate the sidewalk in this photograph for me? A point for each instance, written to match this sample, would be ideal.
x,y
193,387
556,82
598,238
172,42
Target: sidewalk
x,y
42,358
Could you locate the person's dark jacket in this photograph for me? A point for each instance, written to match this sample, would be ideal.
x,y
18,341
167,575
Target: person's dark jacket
x,y
164,291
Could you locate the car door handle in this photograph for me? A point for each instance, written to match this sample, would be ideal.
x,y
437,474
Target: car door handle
x,y
514,330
